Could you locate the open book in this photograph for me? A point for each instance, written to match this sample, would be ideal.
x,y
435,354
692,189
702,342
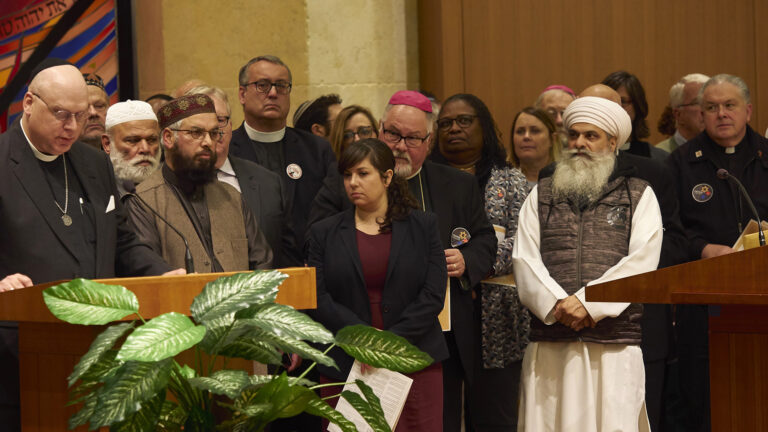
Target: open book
x,y
391,387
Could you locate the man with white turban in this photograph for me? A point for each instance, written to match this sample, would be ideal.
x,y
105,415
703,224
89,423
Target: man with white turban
x,y
590,222
132,141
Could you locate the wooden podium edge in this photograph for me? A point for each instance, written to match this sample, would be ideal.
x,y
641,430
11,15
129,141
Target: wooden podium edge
x,y
158,294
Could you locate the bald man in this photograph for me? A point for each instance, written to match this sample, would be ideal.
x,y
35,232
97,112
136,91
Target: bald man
x,y
583,369
60,216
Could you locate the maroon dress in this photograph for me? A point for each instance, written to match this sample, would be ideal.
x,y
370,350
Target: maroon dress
x,y
423,410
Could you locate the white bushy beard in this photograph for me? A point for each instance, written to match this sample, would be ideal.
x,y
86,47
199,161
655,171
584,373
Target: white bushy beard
x,y
129,170
581,178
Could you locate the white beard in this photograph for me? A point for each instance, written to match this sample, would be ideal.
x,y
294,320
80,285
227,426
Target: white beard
x,y
129,170
403,171
580,178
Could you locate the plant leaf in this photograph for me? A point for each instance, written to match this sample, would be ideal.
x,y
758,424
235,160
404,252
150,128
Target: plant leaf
x,y
144,419
289,345
253,349
217,333
258,380
224,382
125,393
371,397
187,372
287,400
320,408
382,349
162,337
83,301
103,342
287,321
89,405
366,410
229,294
103,369
172,417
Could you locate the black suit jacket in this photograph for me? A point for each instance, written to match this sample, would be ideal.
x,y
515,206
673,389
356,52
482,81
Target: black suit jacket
x,y
457,202
316,159
414,290
263,193
33,240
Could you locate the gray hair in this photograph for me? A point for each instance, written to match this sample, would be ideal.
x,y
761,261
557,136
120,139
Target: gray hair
x,y
730,79
676,91
431,117
243,75
211,91
540,99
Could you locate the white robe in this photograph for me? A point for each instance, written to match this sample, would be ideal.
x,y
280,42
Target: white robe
x,y
578,386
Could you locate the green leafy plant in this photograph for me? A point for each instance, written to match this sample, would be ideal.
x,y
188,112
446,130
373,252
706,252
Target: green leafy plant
x,y
125,379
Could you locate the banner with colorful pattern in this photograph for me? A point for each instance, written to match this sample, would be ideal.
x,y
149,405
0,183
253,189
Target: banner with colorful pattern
x,y
91,44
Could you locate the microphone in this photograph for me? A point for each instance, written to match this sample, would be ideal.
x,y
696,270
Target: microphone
x,y
189,264
725,175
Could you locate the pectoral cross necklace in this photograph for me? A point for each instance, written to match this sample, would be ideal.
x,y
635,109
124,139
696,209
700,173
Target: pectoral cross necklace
x,y
65,218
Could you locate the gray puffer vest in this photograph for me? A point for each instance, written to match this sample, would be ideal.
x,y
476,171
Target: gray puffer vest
x,y
578,246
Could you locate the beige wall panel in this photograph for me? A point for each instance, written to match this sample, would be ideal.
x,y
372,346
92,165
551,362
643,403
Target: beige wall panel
x,y
363,50
513,49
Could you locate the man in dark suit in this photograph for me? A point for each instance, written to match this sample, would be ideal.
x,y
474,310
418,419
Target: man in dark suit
x,y
301,159
60,216
455,198
261,188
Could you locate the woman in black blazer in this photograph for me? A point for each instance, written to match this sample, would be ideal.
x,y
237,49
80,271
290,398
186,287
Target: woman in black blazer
x,y
381,263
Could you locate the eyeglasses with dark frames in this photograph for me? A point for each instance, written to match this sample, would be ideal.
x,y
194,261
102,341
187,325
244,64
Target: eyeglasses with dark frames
x,y
464,121
265,86
63,115
394,138
223,120
363,132
199,134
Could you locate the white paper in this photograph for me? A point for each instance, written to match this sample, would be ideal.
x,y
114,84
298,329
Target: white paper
x,y
392,389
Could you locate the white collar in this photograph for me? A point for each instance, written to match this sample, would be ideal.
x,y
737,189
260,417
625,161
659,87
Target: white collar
x,y
227,167
265,137
415,174
38,154
679,138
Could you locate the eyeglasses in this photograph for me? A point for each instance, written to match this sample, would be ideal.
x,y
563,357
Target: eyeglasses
x,y
715,108
394,138
223,120
63,115
688,104
464,121
265,86
363,132
199,134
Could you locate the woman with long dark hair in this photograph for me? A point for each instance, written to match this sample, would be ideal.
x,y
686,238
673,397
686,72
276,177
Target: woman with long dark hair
x,y
381,263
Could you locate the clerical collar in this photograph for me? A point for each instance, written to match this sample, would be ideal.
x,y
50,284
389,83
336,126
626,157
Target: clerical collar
x,y
415,174
227,167
730,150
679,138
265,137
38,154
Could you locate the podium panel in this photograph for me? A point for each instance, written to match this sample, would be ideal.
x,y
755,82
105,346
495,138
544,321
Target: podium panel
x,y
49,348
738,335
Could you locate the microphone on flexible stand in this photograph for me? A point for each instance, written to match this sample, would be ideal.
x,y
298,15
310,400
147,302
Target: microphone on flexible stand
x,y
189,264
725,175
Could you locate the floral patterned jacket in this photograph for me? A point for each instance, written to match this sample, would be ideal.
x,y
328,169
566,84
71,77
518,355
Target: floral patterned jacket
x,y
505,321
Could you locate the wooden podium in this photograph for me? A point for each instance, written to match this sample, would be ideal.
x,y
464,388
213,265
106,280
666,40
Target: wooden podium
x,y
50,348
738,335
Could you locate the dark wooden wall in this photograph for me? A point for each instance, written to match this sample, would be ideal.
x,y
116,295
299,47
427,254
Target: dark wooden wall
x,y
507,51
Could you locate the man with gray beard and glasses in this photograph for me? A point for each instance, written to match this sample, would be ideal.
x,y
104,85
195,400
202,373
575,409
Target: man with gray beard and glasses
x,y
132,141
590,222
